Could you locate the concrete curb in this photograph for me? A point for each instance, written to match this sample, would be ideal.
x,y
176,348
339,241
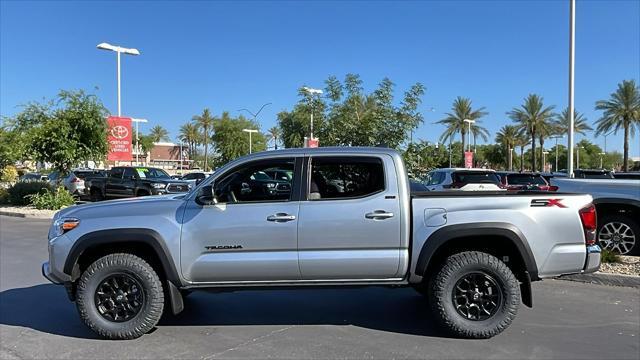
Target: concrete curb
x,y
605,279
23,215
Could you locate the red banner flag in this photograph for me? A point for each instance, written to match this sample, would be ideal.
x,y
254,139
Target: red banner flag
x,y
119,138
468,159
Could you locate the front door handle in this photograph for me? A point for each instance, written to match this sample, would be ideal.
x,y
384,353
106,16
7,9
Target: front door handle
x,y
379,215
281,217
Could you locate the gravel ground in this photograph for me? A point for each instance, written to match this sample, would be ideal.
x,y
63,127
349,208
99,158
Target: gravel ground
x,y
629,265
28,211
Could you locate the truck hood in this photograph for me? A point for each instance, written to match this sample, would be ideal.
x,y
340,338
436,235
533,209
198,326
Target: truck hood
x,y
134,206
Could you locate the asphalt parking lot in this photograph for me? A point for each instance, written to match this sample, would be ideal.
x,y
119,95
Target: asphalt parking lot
x,y
569,320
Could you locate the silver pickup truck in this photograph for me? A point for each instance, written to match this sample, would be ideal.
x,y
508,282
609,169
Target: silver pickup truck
x,y
318,217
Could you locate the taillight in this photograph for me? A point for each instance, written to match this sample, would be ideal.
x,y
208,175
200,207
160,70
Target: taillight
x,y
589,223
552,188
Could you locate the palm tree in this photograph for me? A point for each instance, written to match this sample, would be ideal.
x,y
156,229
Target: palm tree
x,y
190,134
461,110
158,134
622,110
204,122
274,132
508,137
580,125
534,118
522,140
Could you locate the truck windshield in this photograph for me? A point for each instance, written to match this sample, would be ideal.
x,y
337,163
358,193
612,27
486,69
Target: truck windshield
x,y
151,173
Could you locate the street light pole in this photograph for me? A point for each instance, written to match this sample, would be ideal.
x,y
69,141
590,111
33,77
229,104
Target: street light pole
x,y
118,50
601,155
312,92
556,137
250,131
544,158
137,121
572,58
450,136
469,135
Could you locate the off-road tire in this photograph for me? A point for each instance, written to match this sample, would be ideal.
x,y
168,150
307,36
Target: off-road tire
x,y
456,267
95,195
150,311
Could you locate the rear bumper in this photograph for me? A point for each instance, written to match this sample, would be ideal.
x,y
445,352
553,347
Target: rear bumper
x,y
592,264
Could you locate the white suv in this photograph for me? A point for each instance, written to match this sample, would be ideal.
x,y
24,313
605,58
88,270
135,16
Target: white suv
x,y
463,179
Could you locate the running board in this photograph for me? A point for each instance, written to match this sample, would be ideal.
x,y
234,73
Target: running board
x,y
298,283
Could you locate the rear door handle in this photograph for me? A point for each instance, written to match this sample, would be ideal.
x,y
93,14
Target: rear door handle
x,y
379,215
281,217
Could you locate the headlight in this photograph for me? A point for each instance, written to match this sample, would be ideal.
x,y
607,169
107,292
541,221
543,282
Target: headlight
x,y
159,185
271,185
62,225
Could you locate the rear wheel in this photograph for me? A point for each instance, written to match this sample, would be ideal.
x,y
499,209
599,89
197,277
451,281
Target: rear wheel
x,y
95,195
120,296
474,295
619,233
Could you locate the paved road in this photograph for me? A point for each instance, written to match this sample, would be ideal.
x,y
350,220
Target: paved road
x,y
569,320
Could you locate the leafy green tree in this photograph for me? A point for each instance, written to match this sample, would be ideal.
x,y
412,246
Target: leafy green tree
x,y
159,134
205,123
146,142
347,116
421,157
535,119
65,132
231,142
11,147
508,138
621,110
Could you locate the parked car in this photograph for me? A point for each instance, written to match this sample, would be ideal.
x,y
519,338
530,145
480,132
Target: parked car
x,y
32,177
587,174
194,178
524,181
618,206
473,254
634,175
72,182
463,179
125,181
88,176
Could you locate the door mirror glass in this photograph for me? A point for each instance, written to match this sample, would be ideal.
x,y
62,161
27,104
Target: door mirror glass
x,y
206,196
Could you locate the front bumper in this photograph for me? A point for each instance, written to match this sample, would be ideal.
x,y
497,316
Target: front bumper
x,y
50,275
592,264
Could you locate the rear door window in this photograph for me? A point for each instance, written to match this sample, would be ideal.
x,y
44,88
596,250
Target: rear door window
x,y
116,173
345,177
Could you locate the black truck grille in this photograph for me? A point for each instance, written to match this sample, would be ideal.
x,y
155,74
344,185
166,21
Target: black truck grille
x,y
177,188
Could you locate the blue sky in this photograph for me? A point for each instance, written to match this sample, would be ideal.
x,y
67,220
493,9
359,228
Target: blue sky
x,y
232,55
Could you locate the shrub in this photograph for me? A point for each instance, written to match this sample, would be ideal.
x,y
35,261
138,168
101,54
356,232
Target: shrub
x,y
9,174
50,200
18,191
4,196
609,257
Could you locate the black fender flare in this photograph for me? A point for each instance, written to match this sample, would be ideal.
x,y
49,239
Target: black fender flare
x,y
124,235
616,201
452,232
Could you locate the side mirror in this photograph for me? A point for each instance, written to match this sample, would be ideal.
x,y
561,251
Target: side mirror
x,y
198,181
206,196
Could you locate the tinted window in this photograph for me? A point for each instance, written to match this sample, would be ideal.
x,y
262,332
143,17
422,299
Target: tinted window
x,y
475,177
116,173
336,178
525,179
128,173
151,173
251,183
633,176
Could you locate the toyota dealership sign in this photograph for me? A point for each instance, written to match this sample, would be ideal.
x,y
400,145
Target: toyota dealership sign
x,y
119,138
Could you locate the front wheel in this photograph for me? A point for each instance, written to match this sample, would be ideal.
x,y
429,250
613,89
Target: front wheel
x,y
474,295
120,296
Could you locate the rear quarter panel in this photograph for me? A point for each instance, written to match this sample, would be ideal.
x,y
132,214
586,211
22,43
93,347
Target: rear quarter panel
x,y
554,234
